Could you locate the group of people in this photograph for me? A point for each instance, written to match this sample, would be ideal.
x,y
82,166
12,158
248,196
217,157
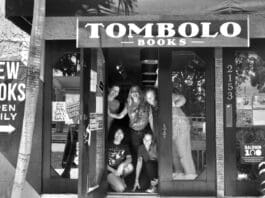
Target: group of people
x,y
142,152
122,159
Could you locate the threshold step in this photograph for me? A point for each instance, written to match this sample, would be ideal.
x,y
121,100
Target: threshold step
x,y
59,196
132,194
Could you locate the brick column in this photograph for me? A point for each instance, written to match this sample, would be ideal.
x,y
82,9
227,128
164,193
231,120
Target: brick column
x,y
219,121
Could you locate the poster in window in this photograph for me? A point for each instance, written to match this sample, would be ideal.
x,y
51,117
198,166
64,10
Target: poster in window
x,y
244,117
58,111
252,153
259,101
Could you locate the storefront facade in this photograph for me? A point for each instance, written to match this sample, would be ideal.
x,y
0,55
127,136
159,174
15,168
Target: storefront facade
x,y
215,59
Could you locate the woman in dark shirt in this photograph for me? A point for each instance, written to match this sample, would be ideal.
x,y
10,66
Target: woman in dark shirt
x,y
119,162
147,156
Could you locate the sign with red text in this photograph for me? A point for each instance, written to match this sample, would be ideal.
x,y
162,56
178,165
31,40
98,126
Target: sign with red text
x,y
12,94
216,32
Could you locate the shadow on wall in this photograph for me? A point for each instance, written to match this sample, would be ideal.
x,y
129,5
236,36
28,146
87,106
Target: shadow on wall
x,y
7,172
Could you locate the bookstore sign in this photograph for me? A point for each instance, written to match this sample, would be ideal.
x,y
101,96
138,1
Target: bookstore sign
x,y
162,33
12,96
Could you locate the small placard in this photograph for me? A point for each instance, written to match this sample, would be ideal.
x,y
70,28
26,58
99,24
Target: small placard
x,y
252,153
96,121
58,111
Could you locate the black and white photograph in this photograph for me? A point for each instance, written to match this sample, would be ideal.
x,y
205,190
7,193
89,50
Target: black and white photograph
x,y
132,98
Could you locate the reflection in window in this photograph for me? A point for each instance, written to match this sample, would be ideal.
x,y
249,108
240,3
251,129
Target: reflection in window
x,y
188,116
250,105
65,116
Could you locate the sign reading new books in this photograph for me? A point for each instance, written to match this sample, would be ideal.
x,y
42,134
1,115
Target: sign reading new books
x,y
179,32
12,95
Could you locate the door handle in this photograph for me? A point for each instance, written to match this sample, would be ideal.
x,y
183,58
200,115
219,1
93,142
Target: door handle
x,y
164,131
87,136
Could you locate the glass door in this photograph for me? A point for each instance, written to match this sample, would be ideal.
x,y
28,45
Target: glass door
x,y
92,182
61,122
186,122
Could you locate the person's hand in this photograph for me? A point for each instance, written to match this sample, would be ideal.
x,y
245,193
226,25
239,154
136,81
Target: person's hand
x,y
109,113
136,185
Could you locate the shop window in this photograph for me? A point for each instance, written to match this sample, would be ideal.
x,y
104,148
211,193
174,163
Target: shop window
x,y
250,113
244,100
65,116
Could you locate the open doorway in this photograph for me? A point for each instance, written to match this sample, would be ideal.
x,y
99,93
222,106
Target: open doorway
x,y
132,158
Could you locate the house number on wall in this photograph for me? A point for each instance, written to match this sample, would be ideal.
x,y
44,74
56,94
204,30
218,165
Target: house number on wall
x,y
230,86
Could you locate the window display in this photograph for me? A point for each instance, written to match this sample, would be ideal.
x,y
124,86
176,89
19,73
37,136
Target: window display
x,y
250,112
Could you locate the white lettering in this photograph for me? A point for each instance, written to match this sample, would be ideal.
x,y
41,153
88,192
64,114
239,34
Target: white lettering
x,y
182,30
182,42
150,42
141,42
94,29
12,70
2,91
13,115
236,29
135,29
11,92
164,28
161,42
171,42
2,77
21,89
206,30
121,31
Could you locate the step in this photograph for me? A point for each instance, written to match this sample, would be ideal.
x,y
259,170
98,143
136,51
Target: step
x,y
134,195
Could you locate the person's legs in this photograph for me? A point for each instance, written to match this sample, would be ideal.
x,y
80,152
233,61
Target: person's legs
x,y
71,155
66,149
177,168
128,170
136,141
184,149
116,183
151,167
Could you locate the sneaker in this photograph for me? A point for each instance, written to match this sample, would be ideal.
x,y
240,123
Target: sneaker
x,y
190,176
152,189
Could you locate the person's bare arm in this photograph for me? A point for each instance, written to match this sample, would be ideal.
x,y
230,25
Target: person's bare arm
x,y
120,115
138,171
151,119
